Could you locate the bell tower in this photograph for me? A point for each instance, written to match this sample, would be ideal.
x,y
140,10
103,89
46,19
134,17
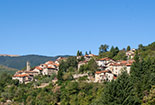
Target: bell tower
x,y
28,68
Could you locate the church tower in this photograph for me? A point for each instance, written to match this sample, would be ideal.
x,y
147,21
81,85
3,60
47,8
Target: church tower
x,y
28,68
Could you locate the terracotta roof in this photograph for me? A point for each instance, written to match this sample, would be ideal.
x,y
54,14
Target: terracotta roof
x,y
86,55
128,64
99,72
50,62
123,62
21,75
39,68
51,67
114,77
105,59
56,64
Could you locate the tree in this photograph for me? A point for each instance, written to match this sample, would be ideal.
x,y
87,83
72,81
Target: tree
x,y
81,53
142,76
67,76
118,92
86,53
103,48
149,99
123,49
120,56
112,49
89,52
92,66
128,48
141,47
112,52
71,62
116,50
82,69
78,53
62,68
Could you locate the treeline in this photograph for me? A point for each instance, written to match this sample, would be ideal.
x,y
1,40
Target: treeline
x,y
114,52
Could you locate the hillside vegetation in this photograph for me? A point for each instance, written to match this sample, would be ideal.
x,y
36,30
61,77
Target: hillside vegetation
x,y
136,88
7,69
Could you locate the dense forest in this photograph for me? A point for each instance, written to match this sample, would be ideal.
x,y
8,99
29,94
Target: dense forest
x,y
136,88
20,61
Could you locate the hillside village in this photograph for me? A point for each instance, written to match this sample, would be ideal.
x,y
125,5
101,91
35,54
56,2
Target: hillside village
x,y
107,70
85,79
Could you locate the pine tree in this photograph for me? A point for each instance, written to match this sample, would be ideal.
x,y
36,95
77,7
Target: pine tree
x,y
86,53
112,52
78,53
81,53
128,48
89,52
116,50
142,76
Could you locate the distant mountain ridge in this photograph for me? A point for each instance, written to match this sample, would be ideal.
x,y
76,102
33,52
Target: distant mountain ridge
x,y
19,62
9,55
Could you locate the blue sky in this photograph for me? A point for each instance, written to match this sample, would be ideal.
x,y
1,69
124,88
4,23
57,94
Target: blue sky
x,y
59,27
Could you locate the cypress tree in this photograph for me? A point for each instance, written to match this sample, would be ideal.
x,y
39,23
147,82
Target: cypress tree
x,y
128,48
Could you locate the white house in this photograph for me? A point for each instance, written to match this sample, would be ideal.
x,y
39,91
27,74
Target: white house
x,y
38,69
118,67
22,78
49,71
108,76
130,54
78,57
105,75
32,73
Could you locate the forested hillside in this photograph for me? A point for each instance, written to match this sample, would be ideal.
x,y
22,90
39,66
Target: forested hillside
x,y
20,62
